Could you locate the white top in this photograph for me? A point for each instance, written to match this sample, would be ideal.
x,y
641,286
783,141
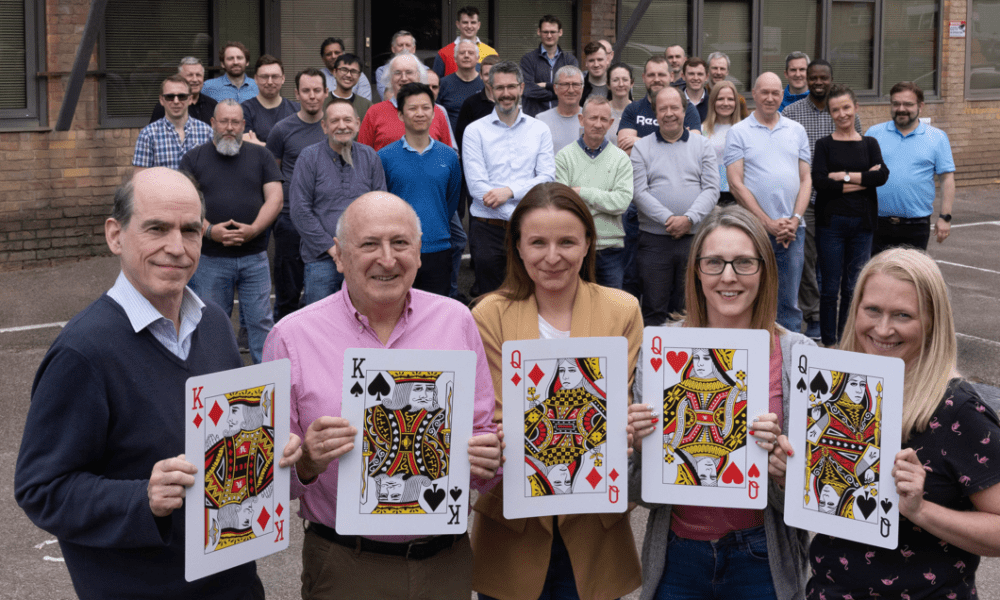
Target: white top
x,y
547,332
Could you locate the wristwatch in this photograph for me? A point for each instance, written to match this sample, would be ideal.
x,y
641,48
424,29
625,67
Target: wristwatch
x,y
847,178
945,217
208,232
802,220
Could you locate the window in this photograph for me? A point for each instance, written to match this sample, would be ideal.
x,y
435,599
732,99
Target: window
x,y
143,41
872,44
21,92
517,26
304,26
983,49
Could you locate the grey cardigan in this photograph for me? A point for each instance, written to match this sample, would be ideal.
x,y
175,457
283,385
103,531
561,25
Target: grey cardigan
x,y
787,547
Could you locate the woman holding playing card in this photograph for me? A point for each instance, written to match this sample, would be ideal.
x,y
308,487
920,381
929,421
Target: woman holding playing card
x,y
947,472
702,552
549,293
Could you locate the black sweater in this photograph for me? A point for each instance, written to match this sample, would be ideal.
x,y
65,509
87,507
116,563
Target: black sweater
x,y
831,156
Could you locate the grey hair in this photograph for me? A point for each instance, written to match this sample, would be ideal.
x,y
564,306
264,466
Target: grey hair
x,y
598,100
226,102
796,56
401,33
387,73
124,200
189,60
343,226
568,70
507,67
716,55
464,41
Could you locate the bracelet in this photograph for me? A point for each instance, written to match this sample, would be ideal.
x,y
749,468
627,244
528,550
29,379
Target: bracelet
x,y
208,231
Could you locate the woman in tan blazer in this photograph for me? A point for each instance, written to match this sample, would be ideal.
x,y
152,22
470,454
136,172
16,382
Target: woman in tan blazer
x,y
548,293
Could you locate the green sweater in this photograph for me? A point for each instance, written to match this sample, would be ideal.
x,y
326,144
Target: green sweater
x,y
605,185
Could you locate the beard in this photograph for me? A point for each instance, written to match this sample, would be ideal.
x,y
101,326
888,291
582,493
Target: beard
x,y
227,146
908,117
344,150
506,111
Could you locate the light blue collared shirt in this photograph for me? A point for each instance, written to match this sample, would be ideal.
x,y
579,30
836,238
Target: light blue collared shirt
x,y
221,88
495,156
407,146
141,314
913,160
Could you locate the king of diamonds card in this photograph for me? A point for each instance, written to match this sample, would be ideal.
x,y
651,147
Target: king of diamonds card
x,y
238,423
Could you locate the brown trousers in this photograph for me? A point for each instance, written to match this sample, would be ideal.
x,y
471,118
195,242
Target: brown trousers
x,y
332,572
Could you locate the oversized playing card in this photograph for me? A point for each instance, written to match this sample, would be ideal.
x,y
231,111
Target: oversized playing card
x,y
565,405
409,475
237,509
845,426
709,384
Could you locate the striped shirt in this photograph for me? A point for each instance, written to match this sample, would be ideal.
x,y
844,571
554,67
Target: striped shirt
x,y
159,145
142,315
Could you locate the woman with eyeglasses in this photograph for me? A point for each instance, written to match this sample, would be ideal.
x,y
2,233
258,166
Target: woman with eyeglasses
x,y
698,552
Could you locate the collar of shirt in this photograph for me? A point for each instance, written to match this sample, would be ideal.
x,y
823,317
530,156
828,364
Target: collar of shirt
x,y
407,146
782,121
593,153
362,320
142,314
685,135
457,39
920,130
545,55
495,118
335,156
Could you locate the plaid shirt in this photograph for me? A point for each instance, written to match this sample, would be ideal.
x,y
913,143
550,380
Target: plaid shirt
x,y
160,146
817,123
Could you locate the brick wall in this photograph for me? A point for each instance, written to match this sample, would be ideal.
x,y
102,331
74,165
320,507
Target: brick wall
x,y
598,18
56,187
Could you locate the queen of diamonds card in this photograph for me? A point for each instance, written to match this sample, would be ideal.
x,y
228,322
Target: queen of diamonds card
x,y
710,384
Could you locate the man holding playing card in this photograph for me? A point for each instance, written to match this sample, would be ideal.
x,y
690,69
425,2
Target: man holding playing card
x,y
377,248
107,408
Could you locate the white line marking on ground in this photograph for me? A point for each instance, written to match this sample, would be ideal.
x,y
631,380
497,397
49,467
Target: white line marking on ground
x,y
30,327
974,224
978,339
944,262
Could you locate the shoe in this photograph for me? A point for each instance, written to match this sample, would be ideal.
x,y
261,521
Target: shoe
x,y
243,339
812,330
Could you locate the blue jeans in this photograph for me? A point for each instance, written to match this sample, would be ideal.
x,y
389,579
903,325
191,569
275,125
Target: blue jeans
x,y
458,241
321,279
218,277
735,566
630,281
842,248
790,261
610,267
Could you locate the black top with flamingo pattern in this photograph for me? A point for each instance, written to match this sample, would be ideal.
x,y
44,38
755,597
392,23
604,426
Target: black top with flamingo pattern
x,y
960,451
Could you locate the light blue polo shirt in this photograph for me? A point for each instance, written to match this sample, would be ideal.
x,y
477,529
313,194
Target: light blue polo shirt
x,y
913,160
770,161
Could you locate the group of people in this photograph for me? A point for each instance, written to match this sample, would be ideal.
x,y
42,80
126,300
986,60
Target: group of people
x,y
549,229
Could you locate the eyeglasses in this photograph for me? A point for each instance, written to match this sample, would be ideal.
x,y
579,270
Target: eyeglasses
x,y
742,265
572,86
346,71
270,77
500,89
172,97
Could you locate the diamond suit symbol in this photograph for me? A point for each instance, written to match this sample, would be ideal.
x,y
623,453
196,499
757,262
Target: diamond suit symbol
x,y
263,518
197,420
516,379
613,474
279,510
216,413
536,374
593,478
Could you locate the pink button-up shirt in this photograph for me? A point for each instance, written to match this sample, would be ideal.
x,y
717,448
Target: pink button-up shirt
x,y
314,339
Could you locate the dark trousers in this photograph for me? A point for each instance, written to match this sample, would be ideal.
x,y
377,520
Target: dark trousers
x,y
434,275
288,268
892,232
662,264
610,267
486,244
843,247
630,221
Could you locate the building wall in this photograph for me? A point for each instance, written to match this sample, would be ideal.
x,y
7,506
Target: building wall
x,y
56,187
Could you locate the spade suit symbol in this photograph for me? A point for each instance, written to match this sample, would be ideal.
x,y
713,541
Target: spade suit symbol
x,y
801,385
434,497
867,505
357,390
378,387
456,493
819,385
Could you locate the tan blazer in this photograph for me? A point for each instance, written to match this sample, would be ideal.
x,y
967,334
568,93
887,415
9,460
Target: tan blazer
x,y
512,557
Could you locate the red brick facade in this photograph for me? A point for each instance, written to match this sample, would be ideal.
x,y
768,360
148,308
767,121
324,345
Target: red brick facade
x,y
56,187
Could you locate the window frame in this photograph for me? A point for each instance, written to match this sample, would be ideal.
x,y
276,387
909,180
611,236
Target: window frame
x,y
971,94
695,36
35,113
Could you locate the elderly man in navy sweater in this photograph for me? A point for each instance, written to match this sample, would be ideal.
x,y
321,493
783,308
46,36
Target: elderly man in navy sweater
x,y
100,465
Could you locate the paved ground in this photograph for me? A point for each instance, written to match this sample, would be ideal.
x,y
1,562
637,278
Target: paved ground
x,y
33,304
